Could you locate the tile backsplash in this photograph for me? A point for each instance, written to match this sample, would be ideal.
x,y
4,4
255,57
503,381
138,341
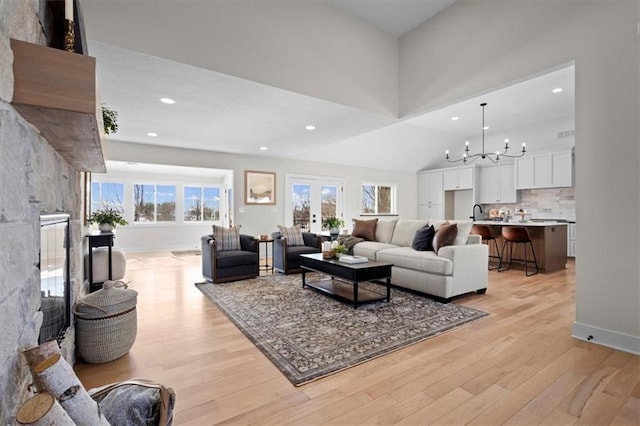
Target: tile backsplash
x,y
548,203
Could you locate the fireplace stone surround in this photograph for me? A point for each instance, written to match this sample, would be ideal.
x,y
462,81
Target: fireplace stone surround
x,y
33,179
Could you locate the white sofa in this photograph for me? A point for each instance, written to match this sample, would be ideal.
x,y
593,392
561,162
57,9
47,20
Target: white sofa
x,y
455,270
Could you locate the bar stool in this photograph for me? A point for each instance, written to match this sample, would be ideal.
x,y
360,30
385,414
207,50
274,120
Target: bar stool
x,y
485,232
517,235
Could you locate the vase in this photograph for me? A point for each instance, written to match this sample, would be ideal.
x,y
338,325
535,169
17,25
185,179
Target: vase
x,y
334,232
105,227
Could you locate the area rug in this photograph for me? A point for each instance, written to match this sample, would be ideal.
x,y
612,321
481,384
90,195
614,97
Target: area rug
x,y
307,335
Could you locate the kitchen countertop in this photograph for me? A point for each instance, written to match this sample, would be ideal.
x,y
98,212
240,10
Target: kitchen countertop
x,y
517,222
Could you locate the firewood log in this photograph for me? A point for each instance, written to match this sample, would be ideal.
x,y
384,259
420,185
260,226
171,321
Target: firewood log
x,y
35,356
43,410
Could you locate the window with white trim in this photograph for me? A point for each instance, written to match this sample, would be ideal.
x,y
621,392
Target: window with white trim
x,y
154,203
378,199
201,203
107,195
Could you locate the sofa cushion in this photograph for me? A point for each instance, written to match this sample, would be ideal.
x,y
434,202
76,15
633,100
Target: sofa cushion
x,y
226,238
227,259
423,240
365,229
405,230
294,252
384,230
445,236
369,249
423,261
293,235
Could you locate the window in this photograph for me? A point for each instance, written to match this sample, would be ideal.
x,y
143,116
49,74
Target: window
x,y
201,203
154,203
107,195
378,199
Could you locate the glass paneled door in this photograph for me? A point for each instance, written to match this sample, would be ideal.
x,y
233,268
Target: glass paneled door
x,y
311,199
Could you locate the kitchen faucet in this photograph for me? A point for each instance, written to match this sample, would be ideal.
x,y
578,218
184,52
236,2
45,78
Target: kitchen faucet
x,y
473,215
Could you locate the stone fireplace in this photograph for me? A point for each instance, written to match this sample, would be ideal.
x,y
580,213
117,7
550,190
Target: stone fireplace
x,y
34,178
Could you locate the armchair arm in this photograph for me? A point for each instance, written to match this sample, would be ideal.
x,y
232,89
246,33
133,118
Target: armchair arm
x,y
279,253
312,240
248,243
470,263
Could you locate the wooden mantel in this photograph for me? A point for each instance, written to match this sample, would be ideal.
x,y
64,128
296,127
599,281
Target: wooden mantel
x,y
55,90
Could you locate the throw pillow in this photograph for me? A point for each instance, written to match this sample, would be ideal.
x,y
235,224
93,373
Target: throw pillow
x,y
423,241
464,229
227,238
293,235
365,229
445,236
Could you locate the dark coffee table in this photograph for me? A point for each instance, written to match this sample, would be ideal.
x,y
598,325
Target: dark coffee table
x,y
345,277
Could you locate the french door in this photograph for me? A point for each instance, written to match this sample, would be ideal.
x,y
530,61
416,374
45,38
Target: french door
x,y
311,199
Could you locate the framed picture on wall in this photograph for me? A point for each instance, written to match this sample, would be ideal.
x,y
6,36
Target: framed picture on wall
x,y
259,187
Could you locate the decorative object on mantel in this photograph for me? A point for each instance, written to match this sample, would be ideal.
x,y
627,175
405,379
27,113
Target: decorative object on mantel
x,y
109,119
107,219
333,224
69,31
494,157
274,312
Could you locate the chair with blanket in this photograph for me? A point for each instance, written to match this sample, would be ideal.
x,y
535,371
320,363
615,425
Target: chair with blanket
x,y
289,244
228,255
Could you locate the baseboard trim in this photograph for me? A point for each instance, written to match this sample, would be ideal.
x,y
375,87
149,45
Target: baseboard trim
x,y
608,338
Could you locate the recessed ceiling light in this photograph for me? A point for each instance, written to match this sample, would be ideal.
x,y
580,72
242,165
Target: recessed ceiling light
x,y
557,90
152,134
263,148
455,118
486,127
310,127
167,101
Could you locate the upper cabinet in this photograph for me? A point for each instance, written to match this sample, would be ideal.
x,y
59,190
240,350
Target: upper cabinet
x,y
430,187
551,170
458,178
497,184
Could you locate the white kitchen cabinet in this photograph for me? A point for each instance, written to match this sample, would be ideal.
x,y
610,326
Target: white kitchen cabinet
x,y
458,178
430,211
551,170
430,187
497,185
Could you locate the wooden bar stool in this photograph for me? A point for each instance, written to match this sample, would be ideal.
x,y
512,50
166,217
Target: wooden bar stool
x,y
485,232
517,235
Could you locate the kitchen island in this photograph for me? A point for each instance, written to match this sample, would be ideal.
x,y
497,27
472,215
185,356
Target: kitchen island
x,y
549,242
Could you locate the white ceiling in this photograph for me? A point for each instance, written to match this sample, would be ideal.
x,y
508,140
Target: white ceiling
x,y
396,17
219,112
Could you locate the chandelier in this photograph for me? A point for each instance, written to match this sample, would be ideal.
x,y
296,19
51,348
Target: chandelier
x,y
493,156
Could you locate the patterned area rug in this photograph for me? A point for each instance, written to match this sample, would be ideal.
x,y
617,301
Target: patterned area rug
x,y
308,335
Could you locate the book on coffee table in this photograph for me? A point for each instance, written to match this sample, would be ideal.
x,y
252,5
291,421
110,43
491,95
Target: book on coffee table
x,y
353,259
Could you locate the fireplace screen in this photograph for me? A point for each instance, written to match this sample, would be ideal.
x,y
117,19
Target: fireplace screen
x,y
54,276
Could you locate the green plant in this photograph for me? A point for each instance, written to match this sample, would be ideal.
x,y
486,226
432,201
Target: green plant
x,y
332,222
110,216
110,120
340,249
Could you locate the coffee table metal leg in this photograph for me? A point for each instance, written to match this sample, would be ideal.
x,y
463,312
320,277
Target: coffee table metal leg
x,y
355,295
303,277
388,289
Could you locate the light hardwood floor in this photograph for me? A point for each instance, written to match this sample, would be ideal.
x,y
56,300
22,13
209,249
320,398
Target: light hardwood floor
x,y
517,366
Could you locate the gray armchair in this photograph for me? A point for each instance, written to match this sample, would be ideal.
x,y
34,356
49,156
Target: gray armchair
x,y
286,259
222,266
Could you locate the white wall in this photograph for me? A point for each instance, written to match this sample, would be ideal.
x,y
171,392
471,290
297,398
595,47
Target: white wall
x,y
308,47
475,46
257,220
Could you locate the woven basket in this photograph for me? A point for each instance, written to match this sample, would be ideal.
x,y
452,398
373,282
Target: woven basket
x,y
106,323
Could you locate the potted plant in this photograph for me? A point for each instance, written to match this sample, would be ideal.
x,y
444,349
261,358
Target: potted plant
x,y
107,219
339,250
109,119
333,224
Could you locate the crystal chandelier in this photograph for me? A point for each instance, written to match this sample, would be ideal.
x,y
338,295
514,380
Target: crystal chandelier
x,y
493,156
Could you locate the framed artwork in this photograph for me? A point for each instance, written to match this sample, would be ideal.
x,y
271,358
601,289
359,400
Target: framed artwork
x,y
259,187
